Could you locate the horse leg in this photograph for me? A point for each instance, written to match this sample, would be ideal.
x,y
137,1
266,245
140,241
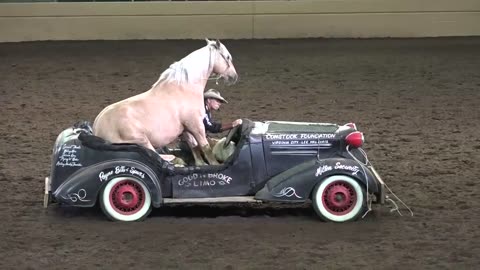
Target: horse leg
x,y
212,142
192,144
142,139
203,145
171,158
207,151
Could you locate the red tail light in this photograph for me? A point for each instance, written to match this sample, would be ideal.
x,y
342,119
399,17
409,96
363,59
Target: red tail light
x,y
352,125
355,139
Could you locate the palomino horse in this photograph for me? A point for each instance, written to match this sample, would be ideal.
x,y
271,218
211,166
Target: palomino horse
x,y
172,106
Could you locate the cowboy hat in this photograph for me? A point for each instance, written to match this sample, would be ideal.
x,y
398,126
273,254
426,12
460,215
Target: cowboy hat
x,y
212,93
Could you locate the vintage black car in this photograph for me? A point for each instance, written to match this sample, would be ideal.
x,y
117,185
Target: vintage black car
x,y
273,161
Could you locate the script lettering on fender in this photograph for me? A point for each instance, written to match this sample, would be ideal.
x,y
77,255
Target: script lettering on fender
x,y
204,180
338,166
287,192
353,169
323,169
80,195
69,158
104,175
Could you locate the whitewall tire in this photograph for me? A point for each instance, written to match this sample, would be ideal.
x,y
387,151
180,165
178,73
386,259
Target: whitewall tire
x,y
339,198
125,199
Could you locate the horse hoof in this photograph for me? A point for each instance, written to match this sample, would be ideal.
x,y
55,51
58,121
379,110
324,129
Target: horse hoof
x,y
200,163
214,163
179,161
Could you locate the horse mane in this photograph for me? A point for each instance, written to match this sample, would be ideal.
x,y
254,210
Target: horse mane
x,y
179,71
175,73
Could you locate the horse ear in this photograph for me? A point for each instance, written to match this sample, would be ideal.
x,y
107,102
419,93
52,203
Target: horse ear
x,y
217,43
207,40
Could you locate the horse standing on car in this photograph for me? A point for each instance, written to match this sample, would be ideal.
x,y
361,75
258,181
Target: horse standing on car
x,y
173,105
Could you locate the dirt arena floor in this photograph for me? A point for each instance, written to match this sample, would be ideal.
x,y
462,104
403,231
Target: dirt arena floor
x,y
418,102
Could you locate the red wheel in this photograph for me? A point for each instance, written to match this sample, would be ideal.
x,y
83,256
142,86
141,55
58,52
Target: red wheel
x,y
339,198
126,199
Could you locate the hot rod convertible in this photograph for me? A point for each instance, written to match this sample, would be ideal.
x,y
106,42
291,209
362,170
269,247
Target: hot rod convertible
x,y
272,161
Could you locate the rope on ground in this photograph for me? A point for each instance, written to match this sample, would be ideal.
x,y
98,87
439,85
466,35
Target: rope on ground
x,y
396,206
369,202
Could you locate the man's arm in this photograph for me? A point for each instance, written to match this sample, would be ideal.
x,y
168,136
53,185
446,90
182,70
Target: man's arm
x,y
231,125
212,126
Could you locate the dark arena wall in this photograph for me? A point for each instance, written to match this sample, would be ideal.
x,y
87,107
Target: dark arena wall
x,y
126,20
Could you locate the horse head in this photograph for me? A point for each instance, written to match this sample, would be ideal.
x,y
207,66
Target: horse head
x,y
222,62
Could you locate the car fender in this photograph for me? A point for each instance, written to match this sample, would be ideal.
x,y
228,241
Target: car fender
x,y
297,183
83,187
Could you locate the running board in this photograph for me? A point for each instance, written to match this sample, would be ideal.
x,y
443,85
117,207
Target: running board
x,y
241,199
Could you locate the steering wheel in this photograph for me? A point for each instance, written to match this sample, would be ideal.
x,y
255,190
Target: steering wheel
x,y
230,134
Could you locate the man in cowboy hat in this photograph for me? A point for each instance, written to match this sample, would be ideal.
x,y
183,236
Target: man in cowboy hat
x,y
213,101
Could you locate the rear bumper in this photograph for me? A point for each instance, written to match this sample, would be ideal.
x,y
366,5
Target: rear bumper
x,y
46,196
381,186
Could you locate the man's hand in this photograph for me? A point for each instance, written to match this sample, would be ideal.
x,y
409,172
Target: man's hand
x,y
231,125
237,122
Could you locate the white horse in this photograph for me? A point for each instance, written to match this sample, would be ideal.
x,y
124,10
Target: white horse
x,y
173,105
